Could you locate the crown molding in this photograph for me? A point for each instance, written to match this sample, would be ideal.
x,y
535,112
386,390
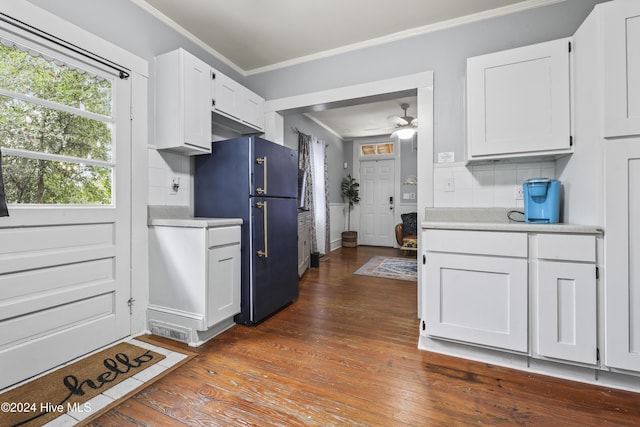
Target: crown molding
x,y
413,32
181,30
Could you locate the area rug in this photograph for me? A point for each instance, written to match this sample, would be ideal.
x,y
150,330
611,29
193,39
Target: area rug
x,y
390,268
82,389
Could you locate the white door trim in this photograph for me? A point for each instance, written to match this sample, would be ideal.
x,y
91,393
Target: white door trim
x,y
422,82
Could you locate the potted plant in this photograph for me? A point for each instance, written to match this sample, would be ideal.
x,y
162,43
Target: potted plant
x,y
351,193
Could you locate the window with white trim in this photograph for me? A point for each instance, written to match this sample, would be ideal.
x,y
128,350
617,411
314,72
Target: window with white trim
x,y
56,128
383,148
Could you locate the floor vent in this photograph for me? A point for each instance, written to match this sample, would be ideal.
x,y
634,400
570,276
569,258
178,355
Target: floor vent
x,y
170,331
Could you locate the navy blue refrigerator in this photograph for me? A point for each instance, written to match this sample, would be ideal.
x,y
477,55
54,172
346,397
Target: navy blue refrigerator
x,y
256,180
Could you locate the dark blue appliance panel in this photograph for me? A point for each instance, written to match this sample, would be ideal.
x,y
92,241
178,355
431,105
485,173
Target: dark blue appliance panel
x,y
221,181
275,265
274,170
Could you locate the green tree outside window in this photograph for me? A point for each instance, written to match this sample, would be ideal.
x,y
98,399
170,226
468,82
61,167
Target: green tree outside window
x,y
34,119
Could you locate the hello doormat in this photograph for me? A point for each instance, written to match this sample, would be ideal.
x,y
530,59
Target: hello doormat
x,y
69,388
390,268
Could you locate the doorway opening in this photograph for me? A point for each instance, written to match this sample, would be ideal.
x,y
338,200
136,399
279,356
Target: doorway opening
x,y
418,85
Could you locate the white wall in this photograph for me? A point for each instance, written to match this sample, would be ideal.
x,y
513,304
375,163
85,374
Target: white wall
x,y
445,52
337,224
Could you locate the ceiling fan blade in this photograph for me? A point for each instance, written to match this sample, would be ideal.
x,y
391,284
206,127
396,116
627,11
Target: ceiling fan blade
x,y
397,120
414,122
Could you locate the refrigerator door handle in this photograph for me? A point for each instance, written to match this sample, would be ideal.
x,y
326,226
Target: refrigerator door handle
x,y
264,253
263,161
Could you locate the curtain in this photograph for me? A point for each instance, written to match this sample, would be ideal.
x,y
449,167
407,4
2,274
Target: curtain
x,y
312,159
3,203
320,196
304,164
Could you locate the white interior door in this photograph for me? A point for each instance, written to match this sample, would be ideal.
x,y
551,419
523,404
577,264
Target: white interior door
x,y
377,202
65,270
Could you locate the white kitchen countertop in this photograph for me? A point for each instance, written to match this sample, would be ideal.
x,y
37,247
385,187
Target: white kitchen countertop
x,y
494,219
195,222
179,216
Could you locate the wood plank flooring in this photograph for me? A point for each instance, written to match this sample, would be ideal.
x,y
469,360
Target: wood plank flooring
x,y
345,354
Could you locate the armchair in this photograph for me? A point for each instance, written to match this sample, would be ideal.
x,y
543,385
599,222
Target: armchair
x,y
407,230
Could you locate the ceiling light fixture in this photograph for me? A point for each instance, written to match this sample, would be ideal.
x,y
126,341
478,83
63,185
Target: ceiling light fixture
x,y
404,132
405,125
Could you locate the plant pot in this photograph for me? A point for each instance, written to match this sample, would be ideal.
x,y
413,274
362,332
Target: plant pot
x,y
349,239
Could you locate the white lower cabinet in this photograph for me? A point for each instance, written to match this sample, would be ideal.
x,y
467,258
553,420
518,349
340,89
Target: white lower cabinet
x,y
475,288
479,289
194,281
566,298
223,293
566,313
476,299
304,242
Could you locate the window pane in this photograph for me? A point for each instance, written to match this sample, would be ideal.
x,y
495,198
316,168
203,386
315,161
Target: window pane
x,y
368,150
385,148
44,79
31,181
376,149
31,127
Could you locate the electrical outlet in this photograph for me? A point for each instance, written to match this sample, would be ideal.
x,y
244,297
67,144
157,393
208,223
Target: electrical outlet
x,y
449,184
175,185
519,192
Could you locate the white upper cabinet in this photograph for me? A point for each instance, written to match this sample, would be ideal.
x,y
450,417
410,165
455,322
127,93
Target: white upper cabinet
x,y
519,102
253,108
226,95
183,115
231,99
621,32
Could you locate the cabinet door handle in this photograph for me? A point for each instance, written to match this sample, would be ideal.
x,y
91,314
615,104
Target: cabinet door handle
x,y
264,253
262,161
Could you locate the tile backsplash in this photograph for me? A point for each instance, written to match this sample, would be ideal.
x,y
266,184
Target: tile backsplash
x,y
487,185
164,168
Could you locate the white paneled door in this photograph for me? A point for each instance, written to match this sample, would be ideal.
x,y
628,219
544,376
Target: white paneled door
x,y
65,271
622,252
377,203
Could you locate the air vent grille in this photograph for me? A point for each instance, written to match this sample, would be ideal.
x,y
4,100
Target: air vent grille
x,y
170,331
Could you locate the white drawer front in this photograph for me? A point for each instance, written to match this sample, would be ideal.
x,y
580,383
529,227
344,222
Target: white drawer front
x,y
477,242
221,236
566,247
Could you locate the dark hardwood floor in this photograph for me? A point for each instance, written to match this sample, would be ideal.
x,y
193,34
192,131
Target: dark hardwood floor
x,y
345,354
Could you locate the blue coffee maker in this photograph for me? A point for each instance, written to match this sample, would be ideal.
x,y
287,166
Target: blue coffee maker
x,y
541,200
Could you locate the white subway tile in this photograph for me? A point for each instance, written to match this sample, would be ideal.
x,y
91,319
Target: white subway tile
x,y
462,197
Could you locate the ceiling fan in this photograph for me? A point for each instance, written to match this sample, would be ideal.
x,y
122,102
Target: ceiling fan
x,y
406,126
